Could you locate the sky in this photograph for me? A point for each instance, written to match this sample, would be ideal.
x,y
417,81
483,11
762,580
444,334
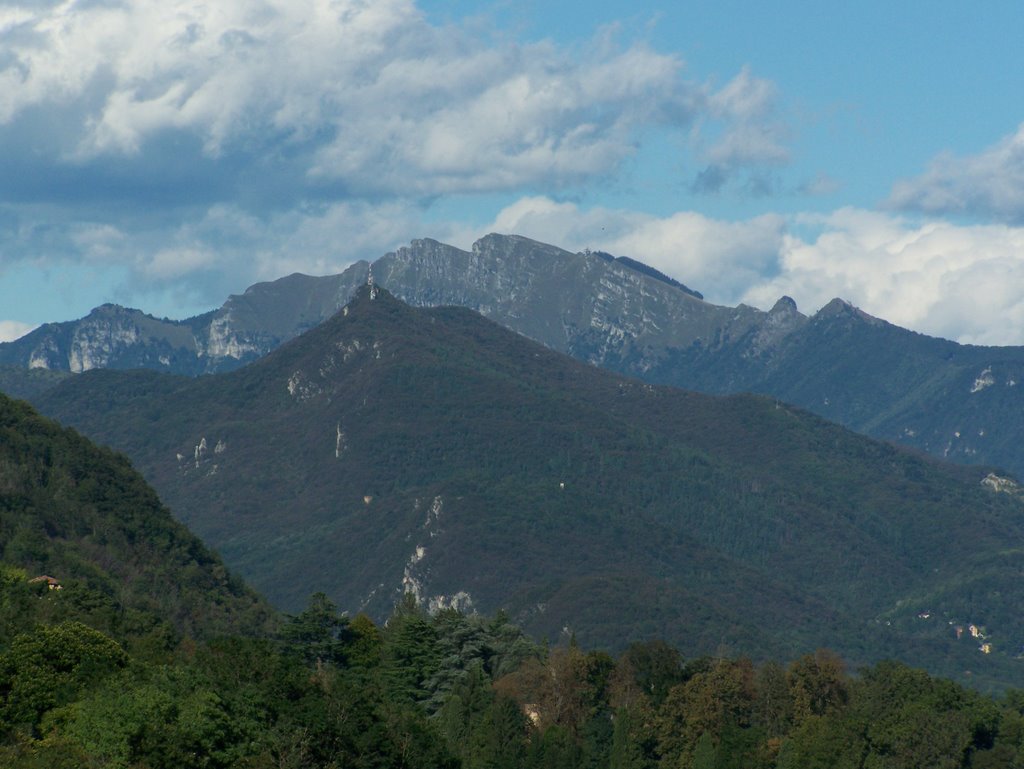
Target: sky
x,y
164,155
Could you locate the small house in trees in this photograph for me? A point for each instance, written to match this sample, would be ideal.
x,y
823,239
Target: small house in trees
x,y
531,711
51,582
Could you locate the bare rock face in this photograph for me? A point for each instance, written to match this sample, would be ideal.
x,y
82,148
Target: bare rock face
x,y
782,320
595,307
592,305
109,337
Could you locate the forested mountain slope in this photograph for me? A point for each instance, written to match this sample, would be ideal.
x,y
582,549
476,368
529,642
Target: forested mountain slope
x,y
392,449
125,643
81,515
93,674
17,382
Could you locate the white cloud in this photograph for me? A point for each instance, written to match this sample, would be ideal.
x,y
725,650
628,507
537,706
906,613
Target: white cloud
x,y
749,103
741,133
13,329
196,264
189,149
718,258
989,184
98,243
172,263
367,94
229,249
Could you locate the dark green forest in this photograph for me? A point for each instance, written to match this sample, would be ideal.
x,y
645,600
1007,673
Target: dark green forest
x,y
126,644
451,690
20,382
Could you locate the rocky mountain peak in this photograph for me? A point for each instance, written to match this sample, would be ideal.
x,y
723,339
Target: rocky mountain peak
x,y
785,306
115,312
498,245
836,307
108,308
369,296
783,319
841,308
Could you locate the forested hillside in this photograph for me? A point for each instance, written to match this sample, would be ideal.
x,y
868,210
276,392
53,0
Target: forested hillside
x,y
83,516
18,382
100,668
953,401
451,690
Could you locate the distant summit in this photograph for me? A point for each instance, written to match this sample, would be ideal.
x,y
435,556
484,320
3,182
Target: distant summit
x,y
504,276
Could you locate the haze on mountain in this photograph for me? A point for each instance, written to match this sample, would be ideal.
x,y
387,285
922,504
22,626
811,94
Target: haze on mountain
x,y
954,401
394,449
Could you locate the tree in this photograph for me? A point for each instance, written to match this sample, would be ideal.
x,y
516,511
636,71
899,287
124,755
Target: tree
x,y
707,704
319,633
156,717
773,706
818,685
51,666
915,720
633,738
410,655
654,666
365,642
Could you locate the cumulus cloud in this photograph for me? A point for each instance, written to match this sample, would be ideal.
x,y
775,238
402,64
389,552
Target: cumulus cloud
x,y
989,184
189,149
743,136
348,98
196,263
956,282
719,258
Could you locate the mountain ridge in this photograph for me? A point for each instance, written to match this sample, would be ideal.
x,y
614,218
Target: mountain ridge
x,y
243,328
841,363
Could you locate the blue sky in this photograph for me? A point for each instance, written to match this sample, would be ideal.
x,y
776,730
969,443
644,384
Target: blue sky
x,y
165,155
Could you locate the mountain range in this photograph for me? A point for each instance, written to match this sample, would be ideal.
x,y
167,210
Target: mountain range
x,y
392,449
954,401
